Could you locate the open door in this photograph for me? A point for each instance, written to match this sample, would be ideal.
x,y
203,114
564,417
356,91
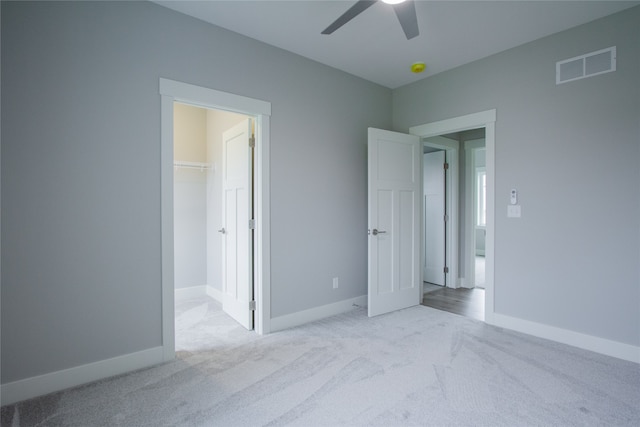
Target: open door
x,y
434,218
394,180
237,246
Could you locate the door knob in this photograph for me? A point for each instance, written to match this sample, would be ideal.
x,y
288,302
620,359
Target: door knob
x,y
222,230
375,232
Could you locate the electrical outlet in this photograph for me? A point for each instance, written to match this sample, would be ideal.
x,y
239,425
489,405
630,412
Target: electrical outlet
x,y
335,283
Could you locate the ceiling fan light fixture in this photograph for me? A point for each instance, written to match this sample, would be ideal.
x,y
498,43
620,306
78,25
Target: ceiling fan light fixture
x,y
404,10
418,67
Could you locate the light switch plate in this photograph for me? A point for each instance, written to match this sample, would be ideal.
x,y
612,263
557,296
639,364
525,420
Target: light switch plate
x,y
514,211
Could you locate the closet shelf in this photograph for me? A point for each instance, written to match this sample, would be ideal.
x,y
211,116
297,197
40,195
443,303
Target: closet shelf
x,y
192,165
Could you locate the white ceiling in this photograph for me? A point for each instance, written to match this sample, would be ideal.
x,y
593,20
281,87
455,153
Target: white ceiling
x,y
373,46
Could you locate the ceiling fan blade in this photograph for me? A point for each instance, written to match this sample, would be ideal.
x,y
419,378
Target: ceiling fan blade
x,y
406,13
353,11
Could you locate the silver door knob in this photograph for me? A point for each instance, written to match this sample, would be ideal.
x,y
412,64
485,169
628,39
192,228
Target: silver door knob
x,y
375,232
222,230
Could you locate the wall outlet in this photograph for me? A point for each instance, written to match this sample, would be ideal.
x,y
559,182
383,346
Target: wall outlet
x,y
335,283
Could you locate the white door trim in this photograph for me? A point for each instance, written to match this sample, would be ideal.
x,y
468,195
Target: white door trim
x,y
486,120
171,91
471,147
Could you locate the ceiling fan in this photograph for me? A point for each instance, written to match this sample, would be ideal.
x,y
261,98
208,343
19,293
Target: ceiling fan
x,y
405,11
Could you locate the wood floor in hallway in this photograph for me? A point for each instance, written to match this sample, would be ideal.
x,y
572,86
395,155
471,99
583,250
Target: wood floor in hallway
x,y
466,302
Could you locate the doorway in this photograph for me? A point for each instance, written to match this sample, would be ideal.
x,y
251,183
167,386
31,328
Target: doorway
x,y
440,177
459,136
466,295
434,216
172,91
206,237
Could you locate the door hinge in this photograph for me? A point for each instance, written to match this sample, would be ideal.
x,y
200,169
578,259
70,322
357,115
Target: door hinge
x,y
446,217
252,305
252,141
446,166
446,270
252,224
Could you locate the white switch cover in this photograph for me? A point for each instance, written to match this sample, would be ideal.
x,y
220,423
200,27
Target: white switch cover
x,y
513,211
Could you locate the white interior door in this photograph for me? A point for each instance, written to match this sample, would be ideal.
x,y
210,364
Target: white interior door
x,y
237,246
434,223
394,180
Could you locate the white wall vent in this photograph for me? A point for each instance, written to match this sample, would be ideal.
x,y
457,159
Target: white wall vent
x,y
590,64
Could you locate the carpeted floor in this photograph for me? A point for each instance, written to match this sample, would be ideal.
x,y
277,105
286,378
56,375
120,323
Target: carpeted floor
x,y
417,366
480,272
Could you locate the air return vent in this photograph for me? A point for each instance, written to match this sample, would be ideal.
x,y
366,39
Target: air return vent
x,y
591,64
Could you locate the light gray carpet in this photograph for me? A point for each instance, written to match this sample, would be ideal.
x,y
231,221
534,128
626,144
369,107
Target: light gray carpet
x,y
480,271
418,366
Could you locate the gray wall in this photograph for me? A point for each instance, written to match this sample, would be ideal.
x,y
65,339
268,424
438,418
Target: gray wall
x,y
573,153
81,173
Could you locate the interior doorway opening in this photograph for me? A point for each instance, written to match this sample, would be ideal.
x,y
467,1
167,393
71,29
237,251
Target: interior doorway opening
x,y
435,216
172,91
468,262
202,232
469,143
441,215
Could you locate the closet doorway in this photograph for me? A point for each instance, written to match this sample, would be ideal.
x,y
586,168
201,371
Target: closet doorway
x,y
173,92
213,241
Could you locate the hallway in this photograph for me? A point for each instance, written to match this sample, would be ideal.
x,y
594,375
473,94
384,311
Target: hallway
x,y
462,301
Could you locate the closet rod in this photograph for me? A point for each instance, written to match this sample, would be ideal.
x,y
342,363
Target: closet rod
x,y
192,165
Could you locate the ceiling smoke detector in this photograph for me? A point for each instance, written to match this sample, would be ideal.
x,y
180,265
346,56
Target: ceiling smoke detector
x,y
418,67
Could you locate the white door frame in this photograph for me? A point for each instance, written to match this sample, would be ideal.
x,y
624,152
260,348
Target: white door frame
x,y
486,120
172,91
471,148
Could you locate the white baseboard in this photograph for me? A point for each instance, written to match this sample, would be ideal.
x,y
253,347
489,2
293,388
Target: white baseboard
x,y
317,313
576,339
55,381
60,380
215,294
182,294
